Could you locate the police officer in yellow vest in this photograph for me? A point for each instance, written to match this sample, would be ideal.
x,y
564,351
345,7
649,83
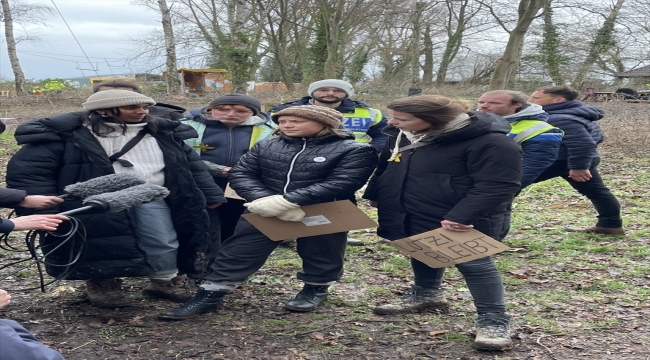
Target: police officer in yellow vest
x,y
539,141
228,127
364,121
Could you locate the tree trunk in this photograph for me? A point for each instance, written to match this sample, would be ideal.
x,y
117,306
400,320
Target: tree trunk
x,y
454,40
332,19
506,66
239,54
173,78
601,44
415,46
427,66
19,76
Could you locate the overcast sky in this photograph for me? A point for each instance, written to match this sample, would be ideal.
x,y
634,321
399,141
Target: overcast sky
x,y
103,28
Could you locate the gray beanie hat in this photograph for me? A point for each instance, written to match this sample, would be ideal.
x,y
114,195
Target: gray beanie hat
x,y
109,99
329,117
239,99
336,83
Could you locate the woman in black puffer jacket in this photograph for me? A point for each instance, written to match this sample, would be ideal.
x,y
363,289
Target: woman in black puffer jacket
x,y
313,161
160,239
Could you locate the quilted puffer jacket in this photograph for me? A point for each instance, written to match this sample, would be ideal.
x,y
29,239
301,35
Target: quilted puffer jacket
x,y
306,170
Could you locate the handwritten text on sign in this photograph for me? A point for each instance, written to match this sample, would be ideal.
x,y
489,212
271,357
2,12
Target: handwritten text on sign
x,y
442,248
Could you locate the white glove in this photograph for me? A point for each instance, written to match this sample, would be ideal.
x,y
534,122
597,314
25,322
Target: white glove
x,y
270,206
292,215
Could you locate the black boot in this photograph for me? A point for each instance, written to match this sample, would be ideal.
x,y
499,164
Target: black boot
x,y
204,301
419,299
308,299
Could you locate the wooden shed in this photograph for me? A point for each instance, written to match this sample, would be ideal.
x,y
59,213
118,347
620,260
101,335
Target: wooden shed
x,y
204,80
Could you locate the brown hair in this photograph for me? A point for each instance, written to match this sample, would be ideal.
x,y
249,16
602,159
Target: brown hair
x,y
437,110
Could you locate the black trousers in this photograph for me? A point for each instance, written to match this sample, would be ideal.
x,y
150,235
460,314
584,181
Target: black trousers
x,y
247,250
606,204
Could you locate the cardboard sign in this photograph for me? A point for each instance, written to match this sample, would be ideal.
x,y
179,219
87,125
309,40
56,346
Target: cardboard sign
x,y
442,248
231,194
326,218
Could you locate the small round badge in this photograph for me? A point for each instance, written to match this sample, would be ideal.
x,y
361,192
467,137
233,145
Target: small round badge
x,y
319,159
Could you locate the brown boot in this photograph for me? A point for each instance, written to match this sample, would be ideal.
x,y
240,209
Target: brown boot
x,y
106,293
418,300
597,230
179,289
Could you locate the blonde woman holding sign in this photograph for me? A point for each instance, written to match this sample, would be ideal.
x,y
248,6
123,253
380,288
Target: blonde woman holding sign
x,y
445,167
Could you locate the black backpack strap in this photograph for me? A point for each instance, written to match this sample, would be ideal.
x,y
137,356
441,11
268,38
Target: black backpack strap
x,y
127,147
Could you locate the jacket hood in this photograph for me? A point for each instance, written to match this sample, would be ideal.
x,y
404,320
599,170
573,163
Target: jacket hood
x,y
575,108
480,123
532,112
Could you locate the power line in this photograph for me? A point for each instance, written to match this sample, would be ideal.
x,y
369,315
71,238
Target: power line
x,y
73,35
47,53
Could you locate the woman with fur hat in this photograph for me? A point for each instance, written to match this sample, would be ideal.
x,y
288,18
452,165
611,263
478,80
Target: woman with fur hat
x,y
312,160
228,127
445,167
160,239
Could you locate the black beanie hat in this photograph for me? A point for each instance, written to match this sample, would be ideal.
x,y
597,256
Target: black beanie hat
x,y
238,99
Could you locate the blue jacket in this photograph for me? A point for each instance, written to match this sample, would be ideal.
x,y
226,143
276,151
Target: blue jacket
x,y
19,344
373,130
539,151
224,145
581,132
10,198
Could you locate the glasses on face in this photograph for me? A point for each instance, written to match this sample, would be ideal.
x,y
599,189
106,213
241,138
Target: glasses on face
x,y
237,112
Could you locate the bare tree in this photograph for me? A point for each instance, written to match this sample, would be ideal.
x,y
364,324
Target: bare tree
x,y
16,12
461,13
602,43
506,66
234,38
173,78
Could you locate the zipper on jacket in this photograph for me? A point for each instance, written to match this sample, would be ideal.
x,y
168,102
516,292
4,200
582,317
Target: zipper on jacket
x,y
293,161
231,147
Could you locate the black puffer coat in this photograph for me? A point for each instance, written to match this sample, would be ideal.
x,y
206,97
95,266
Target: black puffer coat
x,y
467,176
306,170
59,151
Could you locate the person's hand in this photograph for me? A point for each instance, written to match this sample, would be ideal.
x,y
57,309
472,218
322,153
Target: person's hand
x,y
270,206
580,175
213,206
226,171
38,222
373,203
292,215
5,298
40,201
454,226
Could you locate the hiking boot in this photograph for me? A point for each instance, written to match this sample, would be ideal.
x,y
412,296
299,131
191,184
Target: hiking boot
x,y
354,242
419,299
308,299
597,230
203,302
492,332
106,293
178,289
